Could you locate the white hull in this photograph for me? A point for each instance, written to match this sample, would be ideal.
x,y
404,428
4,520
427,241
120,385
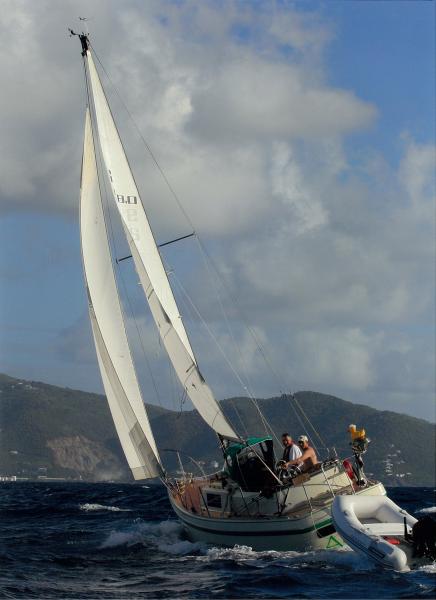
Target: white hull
x,y
262,534
298,528
367,525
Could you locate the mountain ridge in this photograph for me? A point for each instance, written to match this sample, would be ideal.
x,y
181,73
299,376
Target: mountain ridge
x,y
50,431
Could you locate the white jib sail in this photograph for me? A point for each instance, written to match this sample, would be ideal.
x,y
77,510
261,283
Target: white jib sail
x,y
148,263
186,369
113,352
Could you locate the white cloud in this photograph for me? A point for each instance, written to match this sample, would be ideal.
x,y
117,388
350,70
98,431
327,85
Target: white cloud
x,y
329,251
417,174
288,184
214,116
303,32
251,98
343,305
334,354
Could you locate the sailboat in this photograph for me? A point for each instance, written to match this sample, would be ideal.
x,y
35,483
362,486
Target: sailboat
x,y
248,501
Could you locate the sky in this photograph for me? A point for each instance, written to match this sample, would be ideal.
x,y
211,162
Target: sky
x,y
300,140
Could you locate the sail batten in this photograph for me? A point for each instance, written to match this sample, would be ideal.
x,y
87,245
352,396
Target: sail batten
x,y
148,262
108,328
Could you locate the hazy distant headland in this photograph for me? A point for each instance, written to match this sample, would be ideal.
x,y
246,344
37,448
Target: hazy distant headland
x,y
53,432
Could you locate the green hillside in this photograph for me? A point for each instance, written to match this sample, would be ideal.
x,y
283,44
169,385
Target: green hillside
x,y
59,432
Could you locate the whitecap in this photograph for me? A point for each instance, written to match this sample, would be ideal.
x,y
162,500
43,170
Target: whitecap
x,y
344,557
89,507
428,568
167,536
168,528
291,559
122,538
240,552
428,510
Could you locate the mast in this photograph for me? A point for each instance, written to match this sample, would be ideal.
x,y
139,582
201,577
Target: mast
x,y
147,260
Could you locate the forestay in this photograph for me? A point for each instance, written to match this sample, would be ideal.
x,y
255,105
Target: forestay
x,y
148,262
113,352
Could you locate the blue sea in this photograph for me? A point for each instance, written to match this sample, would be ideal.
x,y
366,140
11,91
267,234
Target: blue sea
x,y
82,540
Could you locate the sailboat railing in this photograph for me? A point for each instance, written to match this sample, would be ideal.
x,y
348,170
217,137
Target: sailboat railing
x,y
327,481
179,453
245,501
227,502
310,503
283,505
204,502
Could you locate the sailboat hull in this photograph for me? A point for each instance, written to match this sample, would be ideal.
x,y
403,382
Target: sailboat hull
x,y
312,530
267,534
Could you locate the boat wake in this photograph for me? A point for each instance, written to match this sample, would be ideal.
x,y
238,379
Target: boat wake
x,y
166,536
328,559
428,569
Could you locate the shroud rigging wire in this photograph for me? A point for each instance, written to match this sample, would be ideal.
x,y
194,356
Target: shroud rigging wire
x,y
293,400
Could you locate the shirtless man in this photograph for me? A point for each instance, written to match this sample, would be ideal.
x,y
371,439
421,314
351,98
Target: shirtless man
x,y
308,457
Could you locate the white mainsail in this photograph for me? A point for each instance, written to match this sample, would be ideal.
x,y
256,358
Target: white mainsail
x,y
148,262
113,352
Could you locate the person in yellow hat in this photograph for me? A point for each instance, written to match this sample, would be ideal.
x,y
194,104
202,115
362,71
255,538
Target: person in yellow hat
x,y
356,434
359,441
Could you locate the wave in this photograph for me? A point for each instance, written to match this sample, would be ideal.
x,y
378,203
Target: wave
x,y
427,569
343,558
167,536
428,510
90,507
122,538
244,553
144,554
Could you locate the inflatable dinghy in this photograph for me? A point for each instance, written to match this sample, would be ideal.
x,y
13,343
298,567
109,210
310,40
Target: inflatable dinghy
x,y
376,527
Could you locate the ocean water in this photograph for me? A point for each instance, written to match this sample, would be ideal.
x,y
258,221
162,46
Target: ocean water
x,y
81,540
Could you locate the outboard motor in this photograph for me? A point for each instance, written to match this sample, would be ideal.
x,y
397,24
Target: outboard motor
x,y
424,538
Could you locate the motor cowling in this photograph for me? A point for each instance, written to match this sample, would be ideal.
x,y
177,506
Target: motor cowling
x,y
424,537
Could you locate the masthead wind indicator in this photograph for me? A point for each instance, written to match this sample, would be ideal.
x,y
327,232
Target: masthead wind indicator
x,y
84,40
